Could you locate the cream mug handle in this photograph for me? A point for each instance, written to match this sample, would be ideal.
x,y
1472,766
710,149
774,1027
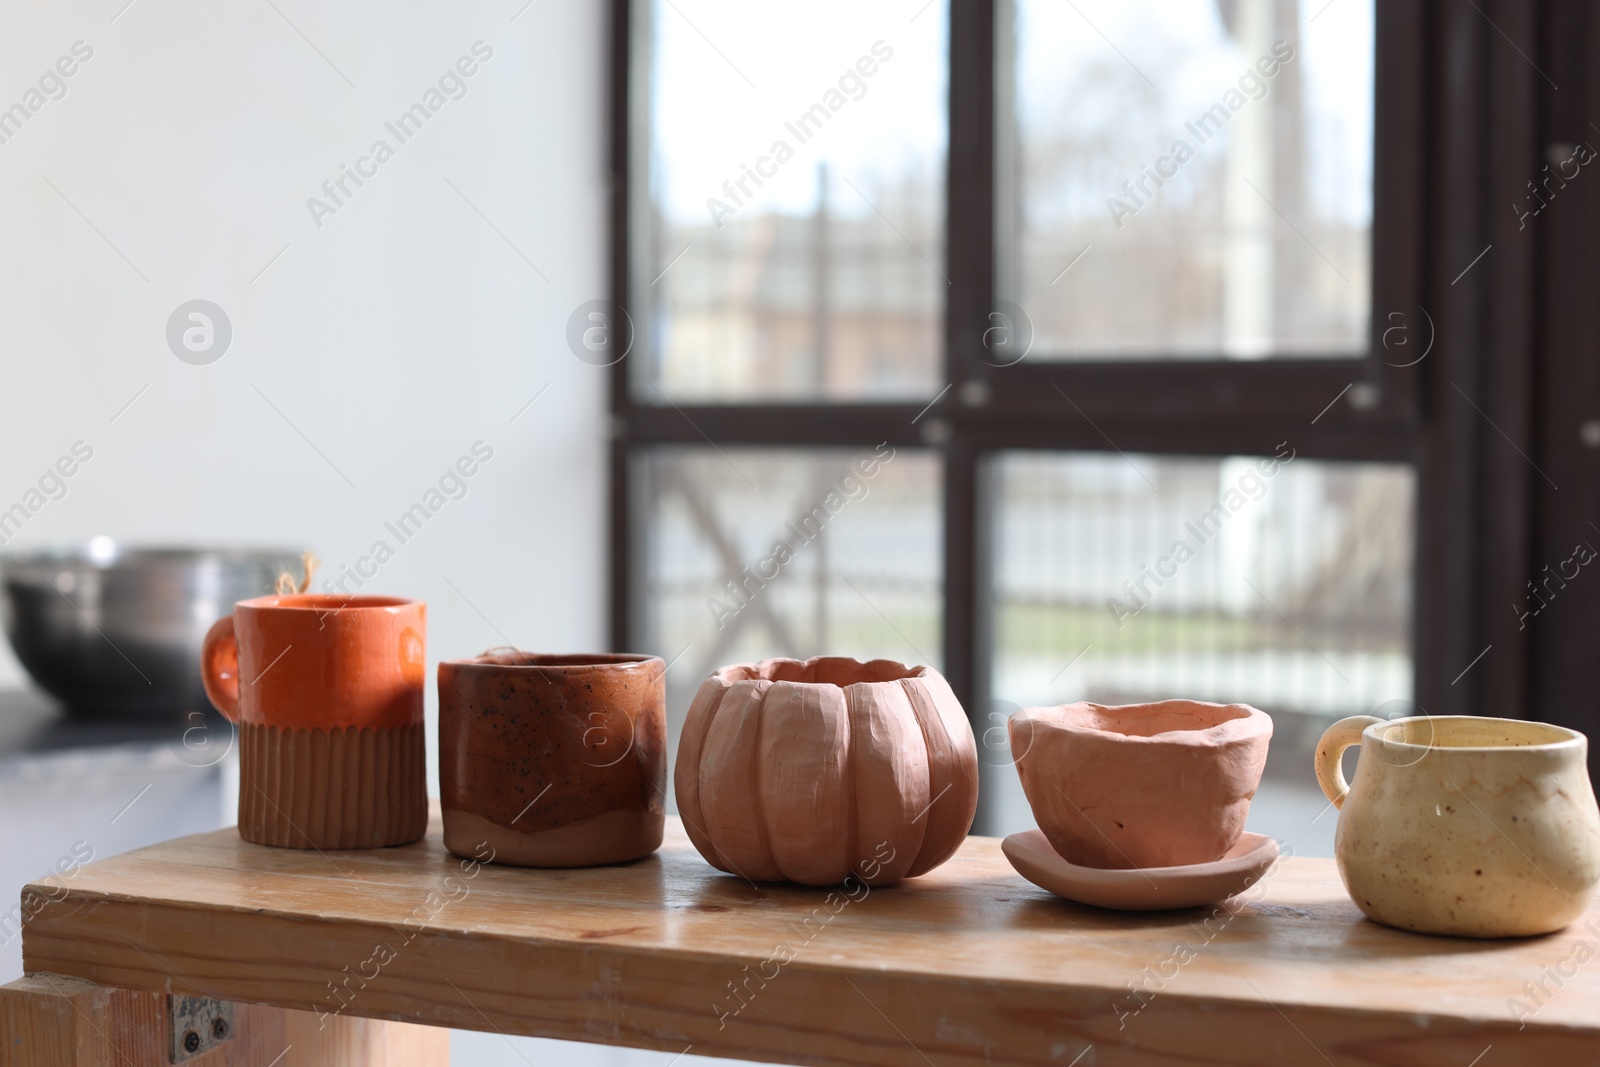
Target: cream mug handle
x,y
1338,737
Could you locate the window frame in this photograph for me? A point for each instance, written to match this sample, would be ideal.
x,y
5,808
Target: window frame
x,y
1442,122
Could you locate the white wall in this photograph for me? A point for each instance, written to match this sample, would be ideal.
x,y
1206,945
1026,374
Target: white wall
x,y
392,338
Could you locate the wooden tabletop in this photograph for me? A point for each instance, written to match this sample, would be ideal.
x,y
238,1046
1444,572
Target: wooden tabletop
x,y
967,965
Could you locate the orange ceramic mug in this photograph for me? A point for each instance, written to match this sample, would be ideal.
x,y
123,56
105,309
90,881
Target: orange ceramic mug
x,y
327,692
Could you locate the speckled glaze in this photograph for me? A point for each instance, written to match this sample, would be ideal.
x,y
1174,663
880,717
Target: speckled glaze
x,y
1141,785
1461,825
554,761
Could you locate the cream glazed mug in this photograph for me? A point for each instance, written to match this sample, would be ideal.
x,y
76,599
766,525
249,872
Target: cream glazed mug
x,y
1464,825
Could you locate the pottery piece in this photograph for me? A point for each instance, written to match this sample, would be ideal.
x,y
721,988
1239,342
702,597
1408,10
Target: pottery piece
x,y
327,692
1140,785
810,771
554,761
1464,825
1142,889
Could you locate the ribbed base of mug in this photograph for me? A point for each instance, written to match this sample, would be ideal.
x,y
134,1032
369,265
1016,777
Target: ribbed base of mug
x,y
332,789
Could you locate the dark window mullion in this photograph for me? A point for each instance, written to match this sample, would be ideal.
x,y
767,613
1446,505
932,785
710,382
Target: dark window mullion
x,y
969,264
622,90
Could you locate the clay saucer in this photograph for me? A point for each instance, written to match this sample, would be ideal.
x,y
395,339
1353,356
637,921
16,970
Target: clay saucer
x,y
1146,889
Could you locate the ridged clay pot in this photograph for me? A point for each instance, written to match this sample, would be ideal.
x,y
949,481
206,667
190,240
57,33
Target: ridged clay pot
x,y
811,771
327,692
1140,785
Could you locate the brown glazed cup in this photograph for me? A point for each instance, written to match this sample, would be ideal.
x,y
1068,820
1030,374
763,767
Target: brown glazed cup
x,y
554,761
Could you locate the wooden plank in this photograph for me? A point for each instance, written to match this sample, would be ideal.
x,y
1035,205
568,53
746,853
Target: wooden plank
x,y
43,1022
967,965
51,1020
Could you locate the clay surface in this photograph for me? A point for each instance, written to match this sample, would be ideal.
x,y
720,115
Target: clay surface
x,y
355,787
557,761
1141,785
1462,825
809,771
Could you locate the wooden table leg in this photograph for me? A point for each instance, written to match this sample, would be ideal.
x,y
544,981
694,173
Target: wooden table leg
x,y
51,1021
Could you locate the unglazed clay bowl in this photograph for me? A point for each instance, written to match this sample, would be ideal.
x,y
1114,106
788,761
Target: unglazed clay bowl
x,y
1148,889
815,771
1464,825
1141,785
553,761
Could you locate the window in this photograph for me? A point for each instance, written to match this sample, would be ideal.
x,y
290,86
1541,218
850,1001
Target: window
x,y
1223,208
794,231
753,553
1087,270
1278,581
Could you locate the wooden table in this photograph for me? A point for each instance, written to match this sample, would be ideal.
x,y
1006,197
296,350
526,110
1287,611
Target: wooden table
x,y
968,965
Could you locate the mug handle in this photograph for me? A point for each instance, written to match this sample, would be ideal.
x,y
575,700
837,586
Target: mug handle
x,y
1338,737
219,667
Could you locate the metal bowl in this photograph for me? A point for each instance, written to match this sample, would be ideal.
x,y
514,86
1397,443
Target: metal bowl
x,y
110,630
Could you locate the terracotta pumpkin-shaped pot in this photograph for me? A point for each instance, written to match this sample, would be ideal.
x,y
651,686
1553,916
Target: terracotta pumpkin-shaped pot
x,y
810,771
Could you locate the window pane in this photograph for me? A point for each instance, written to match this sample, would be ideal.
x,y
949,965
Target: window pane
x,y
1211,163
754,553
794,241
1285,584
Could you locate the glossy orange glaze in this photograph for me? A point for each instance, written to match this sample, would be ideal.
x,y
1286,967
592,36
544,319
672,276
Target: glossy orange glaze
x,y
315,661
